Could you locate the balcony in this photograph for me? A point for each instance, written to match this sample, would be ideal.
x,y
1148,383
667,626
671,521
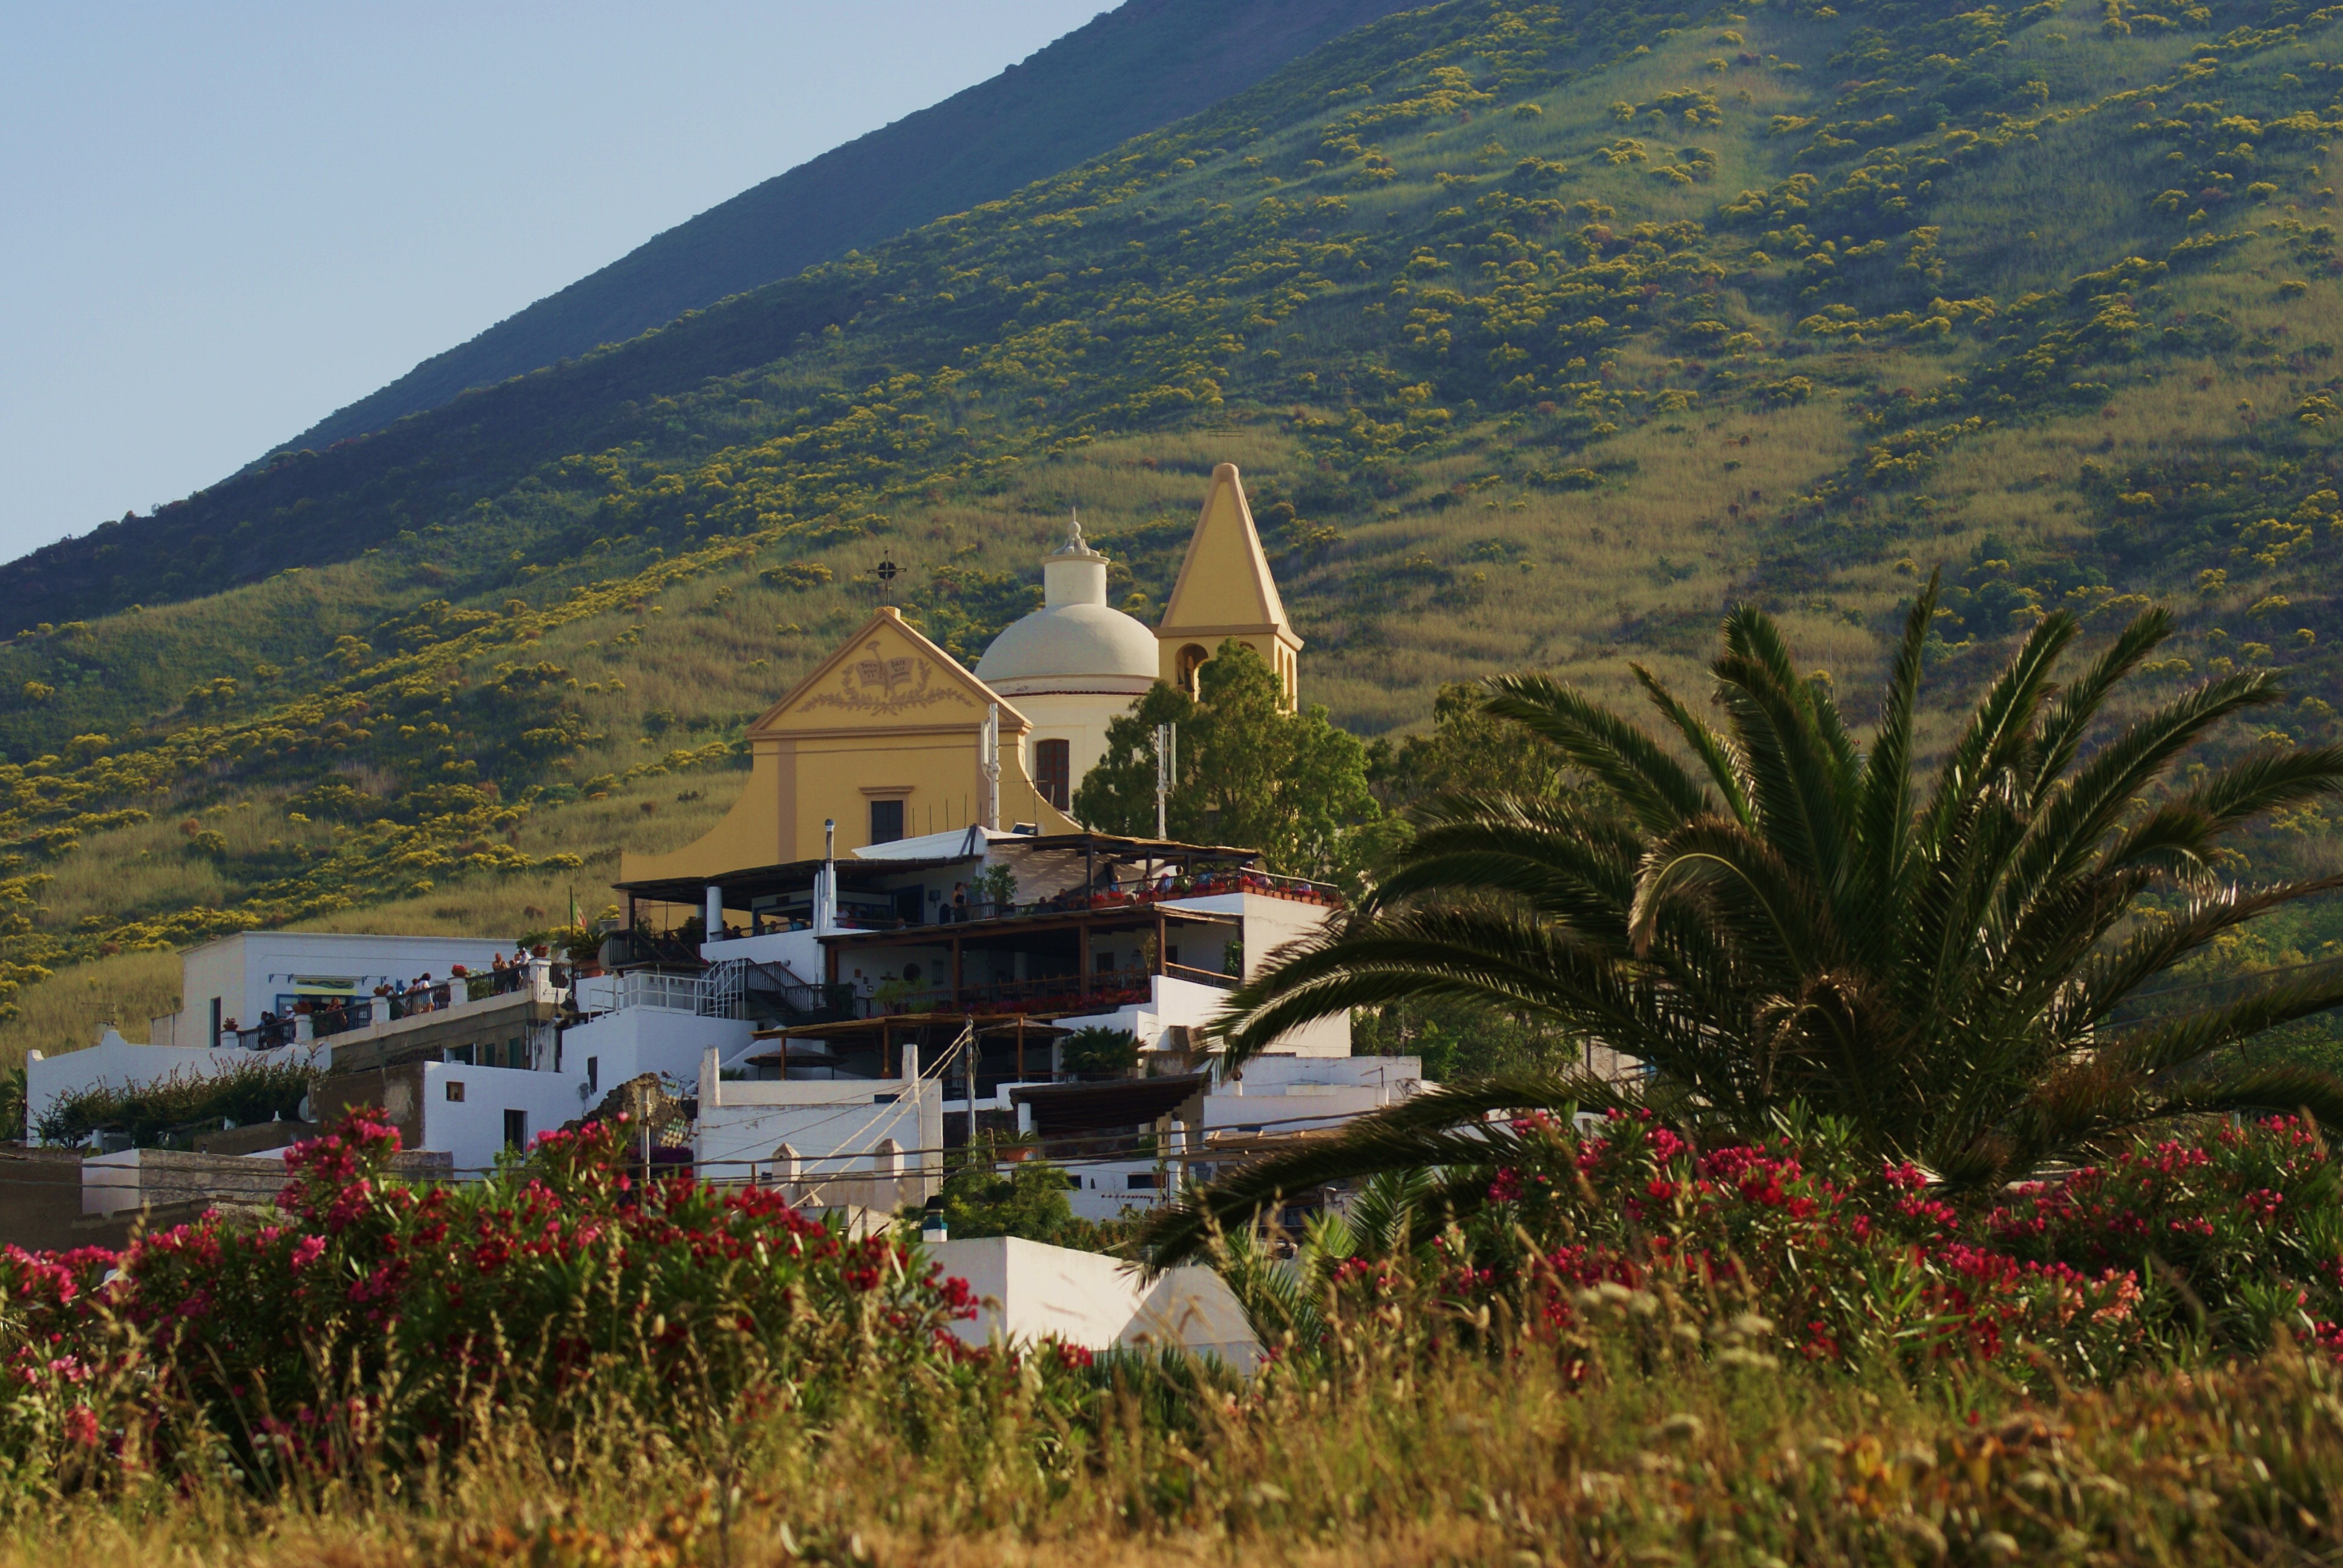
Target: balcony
x,y
313,1020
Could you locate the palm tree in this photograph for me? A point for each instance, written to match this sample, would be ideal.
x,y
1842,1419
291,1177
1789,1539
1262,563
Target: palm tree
x,y
1787,921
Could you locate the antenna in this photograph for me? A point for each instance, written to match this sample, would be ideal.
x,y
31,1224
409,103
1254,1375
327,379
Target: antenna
x,y
1167,754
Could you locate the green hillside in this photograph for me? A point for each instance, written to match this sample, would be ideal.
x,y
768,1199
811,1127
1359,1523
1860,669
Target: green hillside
x,y
1540,332
1144,63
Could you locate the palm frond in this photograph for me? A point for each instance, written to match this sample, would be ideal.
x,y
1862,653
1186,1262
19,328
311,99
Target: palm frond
x,y
1514,964
2161,1047
1728,769
1999,725
1882,813
2067,833
2180,834
2104,981
2070,714
1772,912
1442,1128
1654,786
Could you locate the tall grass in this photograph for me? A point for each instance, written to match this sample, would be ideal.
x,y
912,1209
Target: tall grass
x,y
1412,1456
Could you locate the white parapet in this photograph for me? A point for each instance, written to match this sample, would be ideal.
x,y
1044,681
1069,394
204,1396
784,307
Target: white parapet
x,y
1032,1291
807,1133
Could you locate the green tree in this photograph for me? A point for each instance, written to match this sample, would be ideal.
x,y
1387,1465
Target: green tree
x,y
1789,921
1469,751
1252,772
1098,1052
1026,1200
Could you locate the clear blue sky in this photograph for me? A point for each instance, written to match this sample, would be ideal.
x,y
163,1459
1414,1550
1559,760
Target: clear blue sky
x,y
220,221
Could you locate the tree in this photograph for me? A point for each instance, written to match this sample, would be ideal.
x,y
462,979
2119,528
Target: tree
x,y
1026,1200
1251,772
1789,921
1099,1052
1469,751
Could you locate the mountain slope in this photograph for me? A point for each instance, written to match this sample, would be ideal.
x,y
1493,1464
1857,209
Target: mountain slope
x,y
1143,64
1540,331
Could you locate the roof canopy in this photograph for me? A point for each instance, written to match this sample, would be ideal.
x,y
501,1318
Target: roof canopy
x,y
854,871
1064,1108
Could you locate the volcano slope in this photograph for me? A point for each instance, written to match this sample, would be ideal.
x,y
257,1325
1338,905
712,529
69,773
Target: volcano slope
x,y
1540,332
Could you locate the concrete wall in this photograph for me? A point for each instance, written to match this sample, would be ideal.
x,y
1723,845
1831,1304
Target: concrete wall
x,y
1078,719
168,1179
1283,1093
414,1099
624,1045
1270,924
799,950
40,1202
1032,1291
472,1129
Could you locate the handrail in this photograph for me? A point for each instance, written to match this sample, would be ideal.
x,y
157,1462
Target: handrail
x,y
1201,976
1107,990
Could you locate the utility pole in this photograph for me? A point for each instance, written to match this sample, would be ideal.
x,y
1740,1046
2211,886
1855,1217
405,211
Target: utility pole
x,y
988,756
1167,753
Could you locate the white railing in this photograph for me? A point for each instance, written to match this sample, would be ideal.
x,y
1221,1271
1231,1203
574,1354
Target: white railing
x,y
722,989
618,994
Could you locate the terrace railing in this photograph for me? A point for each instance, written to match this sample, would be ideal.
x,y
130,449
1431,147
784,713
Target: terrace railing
x,y
1140,892
324,1018
1106,991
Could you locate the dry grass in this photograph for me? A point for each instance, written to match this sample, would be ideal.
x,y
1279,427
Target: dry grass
x,y
1388,1462
69,1010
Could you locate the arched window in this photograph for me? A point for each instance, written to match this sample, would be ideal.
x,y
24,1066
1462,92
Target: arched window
x,y
1053,772
1191,659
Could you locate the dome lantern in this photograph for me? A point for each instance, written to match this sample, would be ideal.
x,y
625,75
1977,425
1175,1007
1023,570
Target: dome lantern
x,y
1076,574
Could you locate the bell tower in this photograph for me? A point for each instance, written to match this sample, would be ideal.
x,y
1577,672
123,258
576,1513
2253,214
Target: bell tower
x,y
1225,591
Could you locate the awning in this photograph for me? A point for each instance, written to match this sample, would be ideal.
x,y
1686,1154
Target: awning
x,y
1062,1109
772,882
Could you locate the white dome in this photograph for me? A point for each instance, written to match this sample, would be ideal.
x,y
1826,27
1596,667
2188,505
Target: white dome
x,y
1071,647
1075,642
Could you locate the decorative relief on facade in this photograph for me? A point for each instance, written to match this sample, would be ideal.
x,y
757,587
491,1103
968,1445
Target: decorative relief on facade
x,y
887,684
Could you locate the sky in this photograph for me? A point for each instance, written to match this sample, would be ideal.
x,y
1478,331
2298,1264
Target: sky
x,y
221,221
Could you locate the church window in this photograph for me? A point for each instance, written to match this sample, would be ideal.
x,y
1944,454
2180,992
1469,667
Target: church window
x,y
1191,659
886,821
1053,769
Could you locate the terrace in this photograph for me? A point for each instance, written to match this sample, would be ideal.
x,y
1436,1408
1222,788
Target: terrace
x,y
892,888
306,1019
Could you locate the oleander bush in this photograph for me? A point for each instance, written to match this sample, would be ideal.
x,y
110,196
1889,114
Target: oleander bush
x,y
1627,1237
1613,1345
373,1323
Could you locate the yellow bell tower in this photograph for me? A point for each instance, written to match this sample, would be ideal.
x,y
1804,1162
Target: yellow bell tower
x,y
1225,591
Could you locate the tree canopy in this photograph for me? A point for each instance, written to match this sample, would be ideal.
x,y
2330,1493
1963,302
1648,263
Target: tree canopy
x,y
1251,772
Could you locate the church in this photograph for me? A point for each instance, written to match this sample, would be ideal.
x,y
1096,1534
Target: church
x,y
891,737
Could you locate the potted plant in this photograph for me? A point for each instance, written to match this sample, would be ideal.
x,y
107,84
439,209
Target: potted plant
x,y
996,886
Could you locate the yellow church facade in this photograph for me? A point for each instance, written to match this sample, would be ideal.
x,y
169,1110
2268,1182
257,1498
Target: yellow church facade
x,y
890,737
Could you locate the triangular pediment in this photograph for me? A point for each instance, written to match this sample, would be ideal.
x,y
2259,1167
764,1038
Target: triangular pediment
x,y
886,676
1224,581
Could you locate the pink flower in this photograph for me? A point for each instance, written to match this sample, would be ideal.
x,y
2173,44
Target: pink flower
x,y
308,1251
81,1425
